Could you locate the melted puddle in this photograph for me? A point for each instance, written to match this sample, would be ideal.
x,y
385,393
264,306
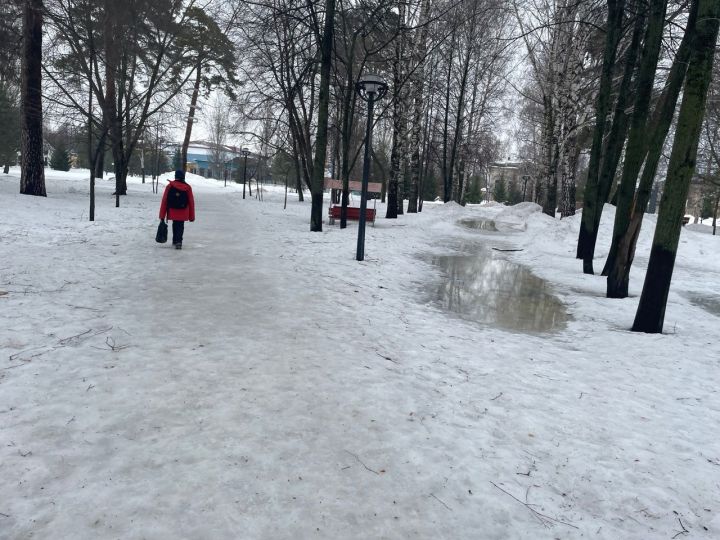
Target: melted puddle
x,y
491,290
479,224
711,304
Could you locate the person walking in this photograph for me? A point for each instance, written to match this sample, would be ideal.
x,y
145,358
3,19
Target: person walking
x,y
178,204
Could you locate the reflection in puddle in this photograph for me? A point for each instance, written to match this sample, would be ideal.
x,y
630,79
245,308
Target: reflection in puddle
x,y
494,291
711,304
480,224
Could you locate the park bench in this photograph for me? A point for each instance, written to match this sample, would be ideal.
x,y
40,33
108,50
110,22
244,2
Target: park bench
x,y
353,212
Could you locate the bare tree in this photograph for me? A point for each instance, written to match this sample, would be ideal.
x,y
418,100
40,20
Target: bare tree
x,y
218,125
650,315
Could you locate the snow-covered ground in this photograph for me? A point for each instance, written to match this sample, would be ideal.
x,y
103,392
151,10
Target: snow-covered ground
x,y
261,383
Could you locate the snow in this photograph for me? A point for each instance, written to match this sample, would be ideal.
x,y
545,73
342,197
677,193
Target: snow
x,y
261,383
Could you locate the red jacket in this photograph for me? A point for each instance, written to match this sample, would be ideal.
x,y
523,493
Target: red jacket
x,y
178,214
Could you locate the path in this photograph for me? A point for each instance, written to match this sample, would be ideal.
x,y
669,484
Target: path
x,y
288,391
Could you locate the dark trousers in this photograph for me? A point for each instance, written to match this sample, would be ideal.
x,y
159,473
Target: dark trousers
x,y
178,229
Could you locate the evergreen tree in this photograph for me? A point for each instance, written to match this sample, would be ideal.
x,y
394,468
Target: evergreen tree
x,y
500,191
707,209
60,160
10,132
514,195
177,160
474,195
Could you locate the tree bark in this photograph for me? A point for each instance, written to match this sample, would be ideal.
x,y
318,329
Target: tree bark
x,y
637,141
191,115
613,148
447,186
650,315
658,130
32,176
418,81
398,136
109,107
454,179
613,34
321,139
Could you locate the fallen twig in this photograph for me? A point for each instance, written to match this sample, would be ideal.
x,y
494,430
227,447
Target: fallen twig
x,y
684,530
362,463
496,397
110,342
542,517
440,501
387,358
64,342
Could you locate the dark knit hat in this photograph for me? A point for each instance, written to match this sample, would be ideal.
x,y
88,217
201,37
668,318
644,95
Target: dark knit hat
x,y
179,175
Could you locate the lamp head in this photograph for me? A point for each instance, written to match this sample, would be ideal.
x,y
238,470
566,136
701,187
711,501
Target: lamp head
x,y
371,85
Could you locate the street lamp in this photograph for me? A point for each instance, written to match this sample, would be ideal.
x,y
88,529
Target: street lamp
x,y
244,153
142,158
369,88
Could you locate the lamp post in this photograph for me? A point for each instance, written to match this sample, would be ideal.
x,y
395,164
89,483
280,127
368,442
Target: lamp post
x,y
142,158
370,88
244,153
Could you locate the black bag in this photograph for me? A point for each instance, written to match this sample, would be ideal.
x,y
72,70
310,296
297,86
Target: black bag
x,y
162,232
177,198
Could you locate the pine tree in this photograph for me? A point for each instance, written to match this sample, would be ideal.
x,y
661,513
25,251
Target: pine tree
x,y
514,195
177,160
60,160
10,132
707,209
500,191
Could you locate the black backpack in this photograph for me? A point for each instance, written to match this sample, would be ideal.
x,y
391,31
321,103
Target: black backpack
x,y
177,198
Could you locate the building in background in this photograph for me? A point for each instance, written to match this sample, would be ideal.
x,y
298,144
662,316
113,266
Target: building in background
x,y
211,160
510,181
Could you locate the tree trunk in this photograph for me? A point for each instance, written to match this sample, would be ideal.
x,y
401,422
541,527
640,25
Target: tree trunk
x,y
32,175
650,315
191,115
637,142
602,108
398,136
567,178
349,101
613,149
110,115
418,81
318,177
447,187
298,179
100,163
453,179
657,131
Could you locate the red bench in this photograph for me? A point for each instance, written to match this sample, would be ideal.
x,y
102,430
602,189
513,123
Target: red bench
x,y
353,213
